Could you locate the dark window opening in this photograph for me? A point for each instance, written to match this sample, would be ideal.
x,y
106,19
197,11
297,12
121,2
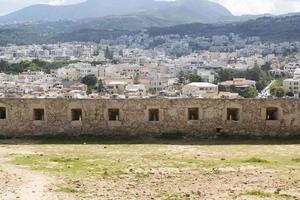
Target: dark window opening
x,y
38,114
219,130
272,114
2,113
193,114
153,115
76,115
233,114
114,114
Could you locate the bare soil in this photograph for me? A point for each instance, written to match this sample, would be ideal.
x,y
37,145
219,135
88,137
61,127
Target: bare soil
x,y
153,177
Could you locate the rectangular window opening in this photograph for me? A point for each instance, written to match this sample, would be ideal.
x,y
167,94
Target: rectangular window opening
x,y
193,114
233,114
38,114
114,114
2,113
272,114
219,130
153,115
76,115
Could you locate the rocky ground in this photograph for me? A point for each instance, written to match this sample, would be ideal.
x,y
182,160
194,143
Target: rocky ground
x,y
17,182
165,172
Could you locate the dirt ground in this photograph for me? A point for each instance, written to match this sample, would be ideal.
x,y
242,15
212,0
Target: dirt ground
x,y
160,171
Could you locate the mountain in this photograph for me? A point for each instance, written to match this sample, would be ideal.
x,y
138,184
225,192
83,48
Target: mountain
x,y
179,11
272,29
186,11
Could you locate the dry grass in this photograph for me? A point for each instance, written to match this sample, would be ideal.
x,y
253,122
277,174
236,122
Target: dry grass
x,y
165,171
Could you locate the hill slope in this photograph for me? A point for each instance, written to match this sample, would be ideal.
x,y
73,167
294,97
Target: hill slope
x,y
273,29
285,28
180,11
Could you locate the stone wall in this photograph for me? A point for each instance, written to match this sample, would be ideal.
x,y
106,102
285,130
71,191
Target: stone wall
x,y
133,118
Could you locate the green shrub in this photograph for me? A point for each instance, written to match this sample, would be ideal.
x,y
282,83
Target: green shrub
x,y
255,160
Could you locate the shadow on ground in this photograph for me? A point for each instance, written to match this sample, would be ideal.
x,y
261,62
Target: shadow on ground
x,y
163,139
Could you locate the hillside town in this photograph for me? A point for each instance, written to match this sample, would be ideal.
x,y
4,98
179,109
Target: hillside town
x,y
169,66
149,100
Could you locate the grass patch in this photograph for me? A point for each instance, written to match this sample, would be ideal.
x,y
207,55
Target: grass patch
x,y
142,175
69,190
173,198
255,160
262,194
62,159
73,167
285,196
257,193
297,160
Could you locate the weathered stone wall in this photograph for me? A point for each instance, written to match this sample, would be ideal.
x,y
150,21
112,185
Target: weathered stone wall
x,y
134,117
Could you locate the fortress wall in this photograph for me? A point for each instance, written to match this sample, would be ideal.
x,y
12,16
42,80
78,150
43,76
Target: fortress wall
x,y
133,118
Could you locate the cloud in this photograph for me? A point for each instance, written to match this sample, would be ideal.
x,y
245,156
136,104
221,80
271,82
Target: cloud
x,y
240,7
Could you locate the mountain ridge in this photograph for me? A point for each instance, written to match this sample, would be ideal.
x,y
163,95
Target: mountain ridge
x,y
180,11
269,29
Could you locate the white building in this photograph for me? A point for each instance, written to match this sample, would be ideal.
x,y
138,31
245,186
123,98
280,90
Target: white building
x,y
117,87
291,67
206,76
293,84
200,89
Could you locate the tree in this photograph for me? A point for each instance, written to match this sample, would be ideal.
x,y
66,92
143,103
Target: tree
x,y
290,94
151,91
250,92
4,66
254,73
193,78
115,61
89,90
181,78
277,91
96,52
108,54
121,53
222,88
100,87
89,80
266,67
261,77
34,65
261,84
227,74
136,79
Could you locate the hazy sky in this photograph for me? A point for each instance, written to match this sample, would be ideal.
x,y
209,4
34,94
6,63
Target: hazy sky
x,y
7,6
237,7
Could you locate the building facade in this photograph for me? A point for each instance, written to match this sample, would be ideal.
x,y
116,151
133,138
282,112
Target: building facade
x,y
148,117
293,84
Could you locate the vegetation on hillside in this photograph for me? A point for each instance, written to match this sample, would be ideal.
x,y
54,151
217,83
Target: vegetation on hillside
x,y
272,29
34,65
277,89
258,74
